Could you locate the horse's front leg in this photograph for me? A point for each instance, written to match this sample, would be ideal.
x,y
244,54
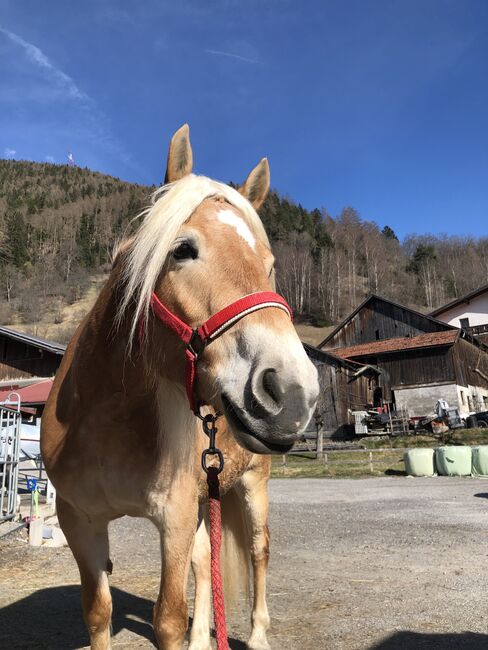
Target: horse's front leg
x,y
200,560
254,492
177,527
88,540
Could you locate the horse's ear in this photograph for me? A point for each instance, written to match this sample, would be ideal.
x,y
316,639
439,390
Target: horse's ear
x,y
256,185
180,155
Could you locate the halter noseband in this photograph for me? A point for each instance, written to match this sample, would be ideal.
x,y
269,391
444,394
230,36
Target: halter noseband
x,y
197,339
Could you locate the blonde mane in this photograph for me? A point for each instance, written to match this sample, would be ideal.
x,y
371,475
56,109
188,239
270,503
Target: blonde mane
x,y
172,205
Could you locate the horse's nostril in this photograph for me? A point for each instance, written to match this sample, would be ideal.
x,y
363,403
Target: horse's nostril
x,y
271,385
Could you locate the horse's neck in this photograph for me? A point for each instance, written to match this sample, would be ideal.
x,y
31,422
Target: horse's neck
x,y
177,425
133,373
101,348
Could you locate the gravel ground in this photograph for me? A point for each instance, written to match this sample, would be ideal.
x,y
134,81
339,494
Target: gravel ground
x,y
381,563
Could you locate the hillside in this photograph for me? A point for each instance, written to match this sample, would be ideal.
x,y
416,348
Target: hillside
x,y
59,224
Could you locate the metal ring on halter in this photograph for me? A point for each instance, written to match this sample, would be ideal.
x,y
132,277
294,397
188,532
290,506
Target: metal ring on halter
x,y
212,452
207,418
196,344
208,422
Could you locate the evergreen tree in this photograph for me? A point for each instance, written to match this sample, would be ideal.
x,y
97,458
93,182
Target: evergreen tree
x,y
424,253
389,233
15,249
87,246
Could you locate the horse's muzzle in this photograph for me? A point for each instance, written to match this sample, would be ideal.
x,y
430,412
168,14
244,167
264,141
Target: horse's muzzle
x,y
275,411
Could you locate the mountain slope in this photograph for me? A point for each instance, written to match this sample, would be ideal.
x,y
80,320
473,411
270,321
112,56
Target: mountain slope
x,y
59,225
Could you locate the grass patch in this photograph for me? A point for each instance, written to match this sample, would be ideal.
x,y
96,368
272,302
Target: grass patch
x,y
453,437
356,464
344,464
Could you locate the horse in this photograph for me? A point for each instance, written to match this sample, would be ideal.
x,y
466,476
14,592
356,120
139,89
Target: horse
x,y
118,435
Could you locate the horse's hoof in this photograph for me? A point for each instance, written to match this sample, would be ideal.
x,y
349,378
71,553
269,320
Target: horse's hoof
x,y
200,646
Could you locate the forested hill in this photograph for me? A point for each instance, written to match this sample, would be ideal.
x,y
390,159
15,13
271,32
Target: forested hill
x,y
58,225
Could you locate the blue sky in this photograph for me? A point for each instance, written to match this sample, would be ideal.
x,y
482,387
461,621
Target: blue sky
x,y
378,104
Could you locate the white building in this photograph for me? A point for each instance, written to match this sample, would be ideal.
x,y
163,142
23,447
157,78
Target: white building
x,y
470,312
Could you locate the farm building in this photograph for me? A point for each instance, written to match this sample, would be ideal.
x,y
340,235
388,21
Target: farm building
x,y
27,366
344,386
421,359
470,312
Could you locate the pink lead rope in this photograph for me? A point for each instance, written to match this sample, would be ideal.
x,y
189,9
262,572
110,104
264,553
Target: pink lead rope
x,y
196,340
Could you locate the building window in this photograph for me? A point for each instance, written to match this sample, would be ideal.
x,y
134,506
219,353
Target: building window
x,y
485,401
463,398
464,323
377,334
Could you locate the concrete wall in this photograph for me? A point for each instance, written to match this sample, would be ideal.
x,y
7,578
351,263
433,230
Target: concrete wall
x,y
472,399
476,310
420,400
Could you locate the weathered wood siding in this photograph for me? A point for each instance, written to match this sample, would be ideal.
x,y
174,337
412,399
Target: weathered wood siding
x,y
462,363
339,392
380,319
413,367
20,361
471,364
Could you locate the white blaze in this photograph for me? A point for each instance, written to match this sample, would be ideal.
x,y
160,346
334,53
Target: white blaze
x,y
231,219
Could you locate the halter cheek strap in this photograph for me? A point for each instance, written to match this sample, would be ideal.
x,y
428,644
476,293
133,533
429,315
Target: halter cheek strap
x,y
197,339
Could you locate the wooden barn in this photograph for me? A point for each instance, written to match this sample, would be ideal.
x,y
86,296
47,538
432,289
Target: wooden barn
x,y
344,386
421,359
27,367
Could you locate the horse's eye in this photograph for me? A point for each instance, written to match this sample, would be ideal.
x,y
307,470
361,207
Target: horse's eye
x,y
185,251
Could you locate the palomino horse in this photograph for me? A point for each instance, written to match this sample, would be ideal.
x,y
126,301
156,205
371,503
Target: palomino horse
x,y
118,436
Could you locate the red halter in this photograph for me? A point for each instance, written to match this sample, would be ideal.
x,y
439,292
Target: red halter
x,y
197,339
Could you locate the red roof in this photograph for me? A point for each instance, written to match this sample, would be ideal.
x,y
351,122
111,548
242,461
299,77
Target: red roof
x,y
36,393
432,339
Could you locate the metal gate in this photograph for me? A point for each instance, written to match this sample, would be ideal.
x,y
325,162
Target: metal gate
x,y
10,421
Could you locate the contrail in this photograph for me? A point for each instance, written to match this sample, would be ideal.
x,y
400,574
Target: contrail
x,y
232,56
38,57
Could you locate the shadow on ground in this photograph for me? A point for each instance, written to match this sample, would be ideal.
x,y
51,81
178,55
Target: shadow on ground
x,y
418,640
51,619
395,472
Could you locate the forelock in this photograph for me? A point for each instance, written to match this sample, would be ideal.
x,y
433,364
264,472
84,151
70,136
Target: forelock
x,y
171,206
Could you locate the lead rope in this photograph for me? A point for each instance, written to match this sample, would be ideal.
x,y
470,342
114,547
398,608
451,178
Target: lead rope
x,y
215,517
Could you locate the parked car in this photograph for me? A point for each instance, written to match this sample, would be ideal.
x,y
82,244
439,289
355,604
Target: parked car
x,y
482,419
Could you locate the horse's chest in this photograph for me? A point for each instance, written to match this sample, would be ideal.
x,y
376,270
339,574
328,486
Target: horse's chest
x,y
235,465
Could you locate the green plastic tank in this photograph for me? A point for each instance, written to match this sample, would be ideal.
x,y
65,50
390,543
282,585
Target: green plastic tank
x,y
453,461
479,465
419,462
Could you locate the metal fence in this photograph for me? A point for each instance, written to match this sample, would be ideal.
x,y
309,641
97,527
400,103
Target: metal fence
x,y
10,421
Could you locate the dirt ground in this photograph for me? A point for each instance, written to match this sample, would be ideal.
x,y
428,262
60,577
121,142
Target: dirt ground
x,y
380,563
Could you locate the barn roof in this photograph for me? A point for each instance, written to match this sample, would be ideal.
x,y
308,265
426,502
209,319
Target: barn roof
x,y
366,302
28,339
327,357
34,393
459,301
431,339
